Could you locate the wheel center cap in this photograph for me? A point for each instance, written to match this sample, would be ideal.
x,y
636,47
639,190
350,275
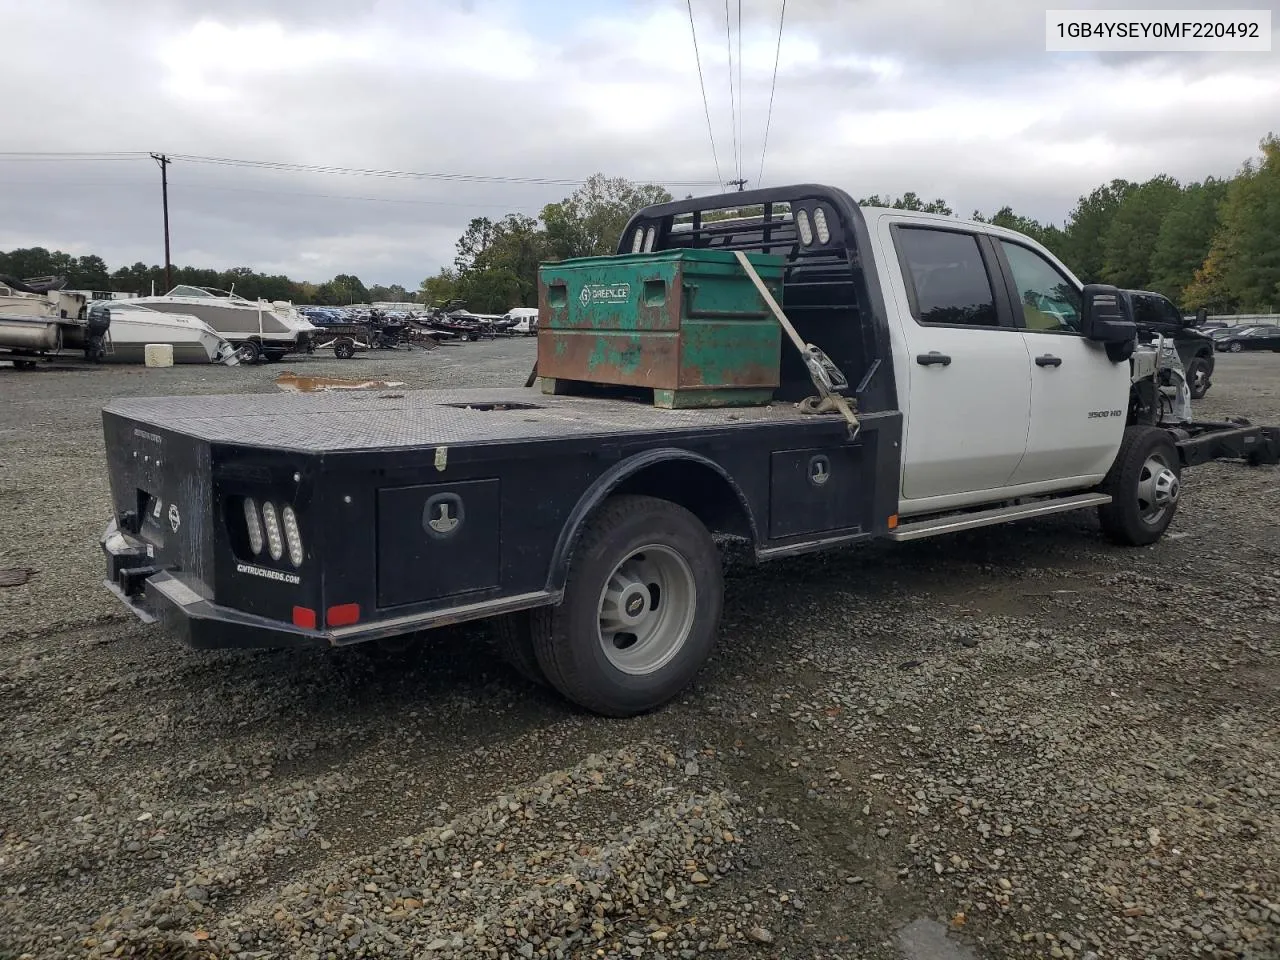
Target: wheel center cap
x,y
635,604
1167,487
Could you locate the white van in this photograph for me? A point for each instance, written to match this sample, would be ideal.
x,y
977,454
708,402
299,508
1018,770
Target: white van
x,y
526,320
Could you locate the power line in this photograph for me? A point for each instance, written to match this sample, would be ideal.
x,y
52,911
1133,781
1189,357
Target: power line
x,y
733,111
189,186
402,174
33,156
702,85
772,86
291,167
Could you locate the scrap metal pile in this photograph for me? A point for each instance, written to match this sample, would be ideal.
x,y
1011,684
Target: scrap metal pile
x,y
346,330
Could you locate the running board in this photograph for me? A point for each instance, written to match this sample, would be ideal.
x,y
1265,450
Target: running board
x,y
954,523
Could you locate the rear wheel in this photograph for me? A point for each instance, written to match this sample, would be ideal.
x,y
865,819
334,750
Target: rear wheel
x,y
1144,483
641,608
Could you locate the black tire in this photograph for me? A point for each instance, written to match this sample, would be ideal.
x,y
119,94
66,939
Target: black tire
x,y
1137,489
249,352
344,349
567,638
513,636
1199,376
274,356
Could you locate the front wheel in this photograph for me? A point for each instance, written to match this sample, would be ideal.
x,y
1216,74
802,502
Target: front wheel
x,y
641,608
1144,482
1198,381
1236,347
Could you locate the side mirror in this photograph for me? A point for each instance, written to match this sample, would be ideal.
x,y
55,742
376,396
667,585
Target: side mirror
x,y
1106,320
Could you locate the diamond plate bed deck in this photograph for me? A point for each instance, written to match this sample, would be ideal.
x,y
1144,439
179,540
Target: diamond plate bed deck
x,y
391,419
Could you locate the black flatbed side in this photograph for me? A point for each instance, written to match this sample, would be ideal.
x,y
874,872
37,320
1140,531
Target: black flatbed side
x,y
515,471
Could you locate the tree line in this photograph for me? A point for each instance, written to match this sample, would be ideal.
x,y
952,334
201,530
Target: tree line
x,y
1212,243
91,273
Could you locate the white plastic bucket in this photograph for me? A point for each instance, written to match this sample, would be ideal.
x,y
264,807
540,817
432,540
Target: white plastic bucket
x,y
158,354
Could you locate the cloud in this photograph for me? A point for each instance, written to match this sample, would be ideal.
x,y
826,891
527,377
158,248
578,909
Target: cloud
x,y
878,96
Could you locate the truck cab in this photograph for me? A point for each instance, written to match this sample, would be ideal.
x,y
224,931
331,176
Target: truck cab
x,y
974,332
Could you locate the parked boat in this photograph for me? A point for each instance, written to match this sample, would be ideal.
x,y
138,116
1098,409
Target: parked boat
x,y
133,325
258,329
38,319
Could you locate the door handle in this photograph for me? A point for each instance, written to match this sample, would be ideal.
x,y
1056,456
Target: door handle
x,y
1048,360
932,357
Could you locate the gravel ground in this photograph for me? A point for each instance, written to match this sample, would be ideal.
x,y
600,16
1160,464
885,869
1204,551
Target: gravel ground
x,y
1022,738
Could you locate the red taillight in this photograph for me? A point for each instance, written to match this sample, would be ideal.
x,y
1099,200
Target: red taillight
x,y
304,617
343,615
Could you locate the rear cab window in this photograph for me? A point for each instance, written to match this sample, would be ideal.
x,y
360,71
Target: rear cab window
x,y
948,283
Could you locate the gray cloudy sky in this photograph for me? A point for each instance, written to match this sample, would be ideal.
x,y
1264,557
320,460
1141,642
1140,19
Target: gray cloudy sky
x,y
945,97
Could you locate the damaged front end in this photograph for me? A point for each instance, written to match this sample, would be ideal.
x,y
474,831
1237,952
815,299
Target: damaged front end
x,y
1161,396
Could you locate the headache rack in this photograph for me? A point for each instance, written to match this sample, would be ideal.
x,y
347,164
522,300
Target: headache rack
x,y
830,298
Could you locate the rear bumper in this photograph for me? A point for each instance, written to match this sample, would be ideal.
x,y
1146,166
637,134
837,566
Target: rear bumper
x,y
155,595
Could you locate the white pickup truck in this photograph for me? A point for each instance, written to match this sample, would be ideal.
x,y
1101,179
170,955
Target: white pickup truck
x,y
963,377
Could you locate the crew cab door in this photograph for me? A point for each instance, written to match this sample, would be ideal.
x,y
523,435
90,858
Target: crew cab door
x,y
1079,396
961,365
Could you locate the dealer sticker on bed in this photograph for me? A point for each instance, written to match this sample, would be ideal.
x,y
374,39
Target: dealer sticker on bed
x,y
604,293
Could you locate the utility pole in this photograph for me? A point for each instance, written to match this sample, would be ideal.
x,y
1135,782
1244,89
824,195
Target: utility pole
x,y
164,162
738,183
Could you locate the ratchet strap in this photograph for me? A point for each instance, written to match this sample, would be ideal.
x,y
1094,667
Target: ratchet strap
x,y
827,378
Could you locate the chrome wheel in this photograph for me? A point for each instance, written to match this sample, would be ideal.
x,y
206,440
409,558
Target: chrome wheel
x,y
646,609
1158,488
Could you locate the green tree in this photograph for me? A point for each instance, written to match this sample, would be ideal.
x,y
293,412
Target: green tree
x,y
1208,287
473,243
589,222
516,248
1247,243
1086,225
1184,238
490,289
440,288
908,201
29,262
90,273
1048,235
1130,237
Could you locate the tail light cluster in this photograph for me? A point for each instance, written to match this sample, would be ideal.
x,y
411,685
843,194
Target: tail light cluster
x,y
272,531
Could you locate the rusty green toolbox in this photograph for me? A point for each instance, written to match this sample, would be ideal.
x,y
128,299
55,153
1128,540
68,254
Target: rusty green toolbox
x,y
688,324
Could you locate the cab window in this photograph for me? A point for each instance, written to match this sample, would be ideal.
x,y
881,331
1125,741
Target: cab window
x,y
1050,301
947,277
1146,311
